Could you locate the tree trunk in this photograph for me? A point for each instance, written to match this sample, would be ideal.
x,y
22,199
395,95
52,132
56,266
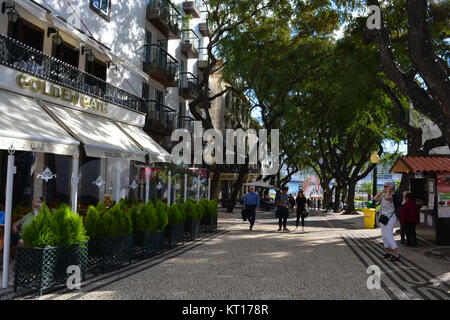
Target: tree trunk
x,y
215,181
337,199
237,187
351,198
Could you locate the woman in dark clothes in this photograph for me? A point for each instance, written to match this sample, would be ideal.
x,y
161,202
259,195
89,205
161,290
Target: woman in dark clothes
x,y
300,207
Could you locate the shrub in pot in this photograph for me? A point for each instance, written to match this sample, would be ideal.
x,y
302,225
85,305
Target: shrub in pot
x,y
175,225
147,229
211,209
194,213
53,241
110,233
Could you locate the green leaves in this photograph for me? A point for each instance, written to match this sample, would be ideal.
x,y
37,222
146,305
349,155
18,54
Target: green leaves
x,y
60,228
175,215
101,223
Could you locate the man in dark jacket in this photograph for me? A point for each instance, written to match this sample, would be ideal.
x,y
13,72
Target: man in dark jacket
x,y
409,217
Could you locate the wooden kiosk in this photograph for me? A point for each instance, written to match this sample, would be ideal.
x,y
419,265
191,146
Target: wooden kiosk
x,y
429,182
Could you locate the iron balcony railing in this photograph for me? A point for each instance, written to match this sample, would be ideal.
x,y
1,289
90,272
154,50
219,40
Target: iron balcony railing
x,y
162,114
188,36
168,11
154,53
188,81
186,122
19,56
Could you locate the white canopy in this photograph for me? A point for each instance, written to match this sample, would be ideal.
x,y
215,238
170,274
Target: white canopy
x,y
101,137
155,151
260,184
28,127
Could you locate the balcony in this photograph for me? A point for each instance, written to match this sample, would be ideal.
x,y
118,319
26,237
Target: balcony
x,y
188,86
186,122
189,44
165,17
161,118
21,57
192,8
203,29
160,65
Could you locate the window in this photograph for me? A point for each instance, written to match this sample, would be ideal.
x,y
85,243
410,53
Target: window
x,y
66,53
27,33
102,7
145,91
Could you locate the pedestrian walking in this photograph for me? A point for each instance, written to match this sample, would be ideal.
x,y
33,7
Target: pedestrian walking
x,y
282,201
387,221
320,204
300,207
409,217
251,205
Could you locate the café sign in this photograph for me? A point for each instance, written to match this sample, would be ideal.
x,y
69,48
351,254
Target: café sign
x,y
36,85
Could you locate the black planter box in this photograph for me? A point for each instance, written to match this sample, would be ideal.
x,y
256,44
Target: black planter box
x,y
43,268
209,224
148,243
110,252
175,234
192,229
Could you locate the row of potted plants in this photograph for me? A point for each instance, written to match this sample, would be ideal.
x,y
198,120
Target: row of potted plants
x,y
108,237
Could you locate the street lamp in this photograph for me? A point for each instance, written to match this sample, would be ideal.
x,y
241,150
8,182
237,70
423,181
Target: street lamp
x,y
13,16
374,158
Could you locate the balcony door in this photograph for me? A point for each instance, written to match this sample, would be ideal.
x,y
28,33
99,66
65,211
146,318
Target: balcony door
x,y
66,53
162,56
159,97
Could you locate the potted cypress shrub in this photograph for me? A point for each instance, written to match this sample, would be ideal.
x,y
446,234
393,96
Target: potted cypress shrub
x,y
209,220
175,225
148,227
194,213
52,243
111,238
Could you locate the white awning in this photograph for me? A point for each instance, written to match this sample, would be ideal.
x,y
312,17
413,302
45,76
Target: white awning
x,y
26,126
155,151
101,137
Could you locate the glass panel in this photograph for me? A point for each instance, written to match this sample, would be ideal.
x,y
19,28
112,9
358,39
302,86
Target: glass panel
x,y
104,7
32,182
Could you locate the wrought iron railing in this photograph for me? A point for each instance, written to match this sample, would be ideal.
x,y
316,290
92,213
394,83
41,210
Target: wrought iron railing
x,y
19,56
186,122
188,36
162,114
154,53
168,11
188,81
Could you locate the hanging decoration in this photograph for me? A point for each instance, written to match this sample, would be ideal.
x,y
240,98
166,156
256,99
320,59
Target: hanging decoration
x,y
99,182
46,175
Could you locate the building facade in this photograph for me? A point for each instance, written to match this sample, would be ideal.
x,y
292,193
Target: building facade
x,y
101,84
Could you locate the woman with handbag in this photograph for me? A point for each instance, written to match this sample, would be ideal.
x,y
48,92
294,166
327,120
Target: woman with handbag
x,y
387,221
300,209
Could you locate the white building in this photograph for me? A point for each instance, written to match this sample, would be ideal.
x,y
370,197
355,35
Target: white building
x,y
134,59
